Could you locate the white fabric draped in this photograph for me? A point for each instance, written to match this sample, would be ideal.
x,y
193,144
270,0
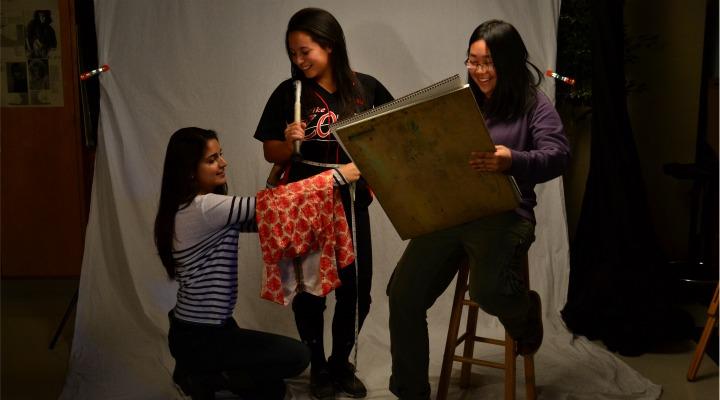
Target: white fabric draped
x,y
213,64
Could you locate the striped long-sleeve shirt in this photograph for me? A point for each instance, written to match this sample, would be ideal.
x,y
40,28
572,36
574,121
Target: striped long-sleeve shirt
x,y
206,237
205,249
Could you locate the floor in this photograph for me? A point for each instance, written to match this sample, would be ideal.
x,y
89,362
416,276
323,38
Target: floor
x,y
32,310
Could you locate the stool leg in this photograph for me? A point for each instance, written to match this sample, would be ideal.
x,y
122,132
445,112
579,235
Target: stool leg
x,y
509,367
709,325
529,362
451,341
469,345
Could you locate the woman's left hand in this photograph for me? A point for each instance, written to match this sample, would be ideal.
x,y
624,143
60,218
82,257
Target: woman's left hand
x,y
485,161
350,172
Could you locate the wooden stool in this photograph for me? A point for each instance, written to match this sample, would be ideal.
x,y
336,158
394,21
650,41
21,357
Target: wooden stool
x,y
469,338
712,314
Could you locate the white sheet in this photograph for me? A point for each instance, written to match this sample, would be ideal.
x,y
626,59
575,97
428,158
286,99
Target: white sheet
x,y
213,65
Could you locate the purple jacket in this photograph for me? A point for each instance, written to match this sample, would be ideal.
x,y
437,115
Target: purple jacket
x,y
539,147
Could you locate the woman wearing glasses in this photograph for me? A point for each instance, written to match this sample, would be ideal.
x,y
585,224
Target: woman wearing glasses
x,y
532,147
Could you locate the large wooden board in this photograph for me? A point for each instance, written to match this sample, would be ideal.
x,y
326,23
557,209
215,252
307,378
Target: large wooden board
x,y
415,158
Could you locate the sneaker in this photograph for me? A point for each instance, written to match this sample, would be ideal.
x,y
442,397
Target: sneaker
x,y
321,385
530,343
343,375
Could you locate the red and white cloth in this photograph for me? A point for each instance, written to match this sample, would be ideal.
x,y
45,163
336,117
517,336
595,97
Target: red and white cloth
x,y
302,219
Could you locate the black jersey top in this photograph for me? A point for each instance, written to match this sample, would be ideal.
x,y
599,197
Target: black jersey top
x,y
319,109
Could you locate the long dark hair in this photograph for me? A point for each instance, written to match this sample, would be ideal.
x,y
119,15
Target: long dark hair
x,y
179,186
47,13
326,31
517,79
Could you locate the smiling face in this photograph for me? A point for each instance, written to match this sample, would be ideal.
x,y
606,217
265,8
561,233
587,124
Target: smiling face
x,y
211,170
484,77
311,58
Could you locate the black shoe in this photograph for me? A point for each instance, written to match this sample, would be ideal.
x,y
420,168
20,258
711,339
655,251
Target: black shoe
x,y
180,377
266,390
321,385
343,375
530,343
241,384
199,386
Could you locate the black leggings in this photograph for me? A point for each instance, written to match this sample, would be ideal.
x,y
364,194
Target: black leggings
x,y
309,308
257,362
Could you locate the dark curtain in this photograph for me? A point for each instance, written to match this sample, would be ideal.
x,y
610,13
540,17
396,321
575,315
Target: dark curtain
x,y
87,61
617,278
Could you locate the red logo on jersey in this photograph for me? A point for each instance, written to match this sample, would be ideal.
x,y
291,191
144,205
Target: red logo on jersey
x,y
320,126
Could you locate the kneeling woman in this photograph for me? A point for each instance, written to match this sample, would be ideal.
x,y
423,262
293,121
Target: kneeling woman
x,y
196,234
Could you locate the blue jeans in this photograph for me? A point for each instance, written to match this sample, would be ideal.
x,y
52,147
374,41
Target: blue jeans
x,y
495,247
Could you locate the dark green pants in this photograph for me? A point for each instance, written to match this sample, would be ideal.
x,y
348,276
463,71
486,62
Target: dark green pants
x,y
495,247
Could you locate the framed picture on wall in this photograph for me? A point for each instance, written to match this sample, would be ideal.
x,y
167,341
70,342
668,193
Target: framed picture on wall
x,y
31,67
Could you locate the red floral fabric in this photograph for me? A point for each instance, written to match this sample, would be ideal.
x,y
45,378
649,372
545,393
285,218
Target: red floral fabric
x,y
295,220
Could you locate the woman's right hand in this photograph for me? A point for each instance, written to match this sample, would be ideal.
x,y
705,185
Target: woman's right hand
x,y
294,131
350,172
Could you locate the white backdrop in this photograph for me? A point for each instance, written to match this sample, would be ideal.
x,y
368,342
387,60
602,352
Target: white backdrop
x,y
213,65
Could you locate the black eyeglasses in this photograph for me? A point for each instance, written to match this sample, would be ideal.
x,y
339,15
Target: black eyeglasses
x,y
479,67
